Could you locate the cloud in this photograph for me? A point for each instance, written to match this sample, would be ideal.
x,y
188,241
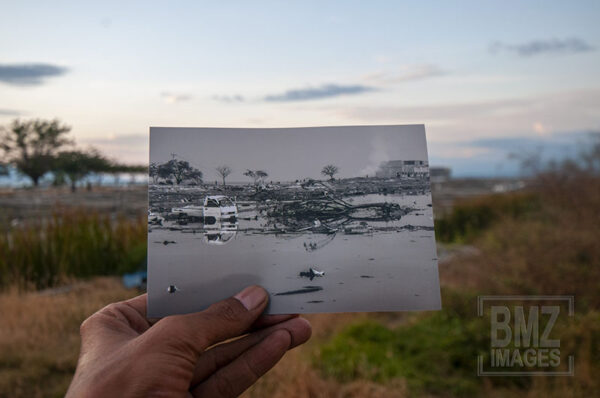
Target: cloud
x,y
303,94
553,143
313,93
495,156
9,112
118,140
571,45
29,74
405,74
539,128
438,112
229,98
172,98
531,116
132,148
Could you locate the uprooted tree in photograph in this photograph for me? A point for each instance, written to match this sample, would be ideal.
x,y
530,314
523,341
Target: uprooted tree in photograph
x,y
31,146
224,171
330,170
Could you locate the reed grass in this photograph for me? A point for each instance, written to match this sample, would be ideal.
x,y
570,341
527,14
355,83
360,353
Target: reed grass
x,y
70,244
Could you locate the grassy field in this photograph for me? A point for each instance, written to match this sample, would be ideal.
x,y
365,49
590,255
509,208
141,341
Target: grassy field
x,y
70,244
543,241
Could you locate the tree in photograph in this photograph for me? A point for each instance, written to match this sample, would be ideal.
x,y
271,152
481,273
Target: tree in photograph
x,y
258,175
251,174
153,172
164,171
179,170
195,175
224,171
31,146
330,170
261,174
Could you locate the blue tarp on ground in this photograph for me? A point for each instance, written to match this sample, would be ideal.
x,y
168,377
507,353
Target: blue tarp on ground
x,y
135,280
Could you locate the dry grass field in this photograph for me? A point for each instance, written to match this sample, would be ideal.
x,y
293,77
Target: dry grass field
x,y
39,344
39,335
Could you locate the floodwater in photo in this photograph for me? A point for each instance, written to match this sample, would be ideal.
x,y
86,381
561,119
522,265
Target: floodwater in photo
x,y
359,239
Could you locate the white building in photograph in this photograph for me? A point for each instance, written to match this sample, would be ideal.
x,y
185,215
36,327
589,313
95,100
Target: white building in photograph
x,y
403,168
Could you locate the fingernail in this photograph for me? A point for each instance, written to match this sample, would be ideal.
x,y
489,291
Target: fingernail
x,y
251,297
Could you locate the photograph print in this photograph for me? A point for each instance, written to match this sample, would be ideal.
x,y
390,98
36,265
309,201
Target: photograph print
x,y
326,219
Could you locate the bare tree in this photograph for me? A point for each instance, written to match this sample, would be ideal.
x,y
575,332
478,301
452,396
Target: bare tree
x,y
330,170
224,171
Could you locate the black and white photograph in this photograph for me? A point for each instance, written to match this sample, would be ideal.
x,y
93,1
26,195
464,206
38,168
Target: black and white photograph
x,y
326,219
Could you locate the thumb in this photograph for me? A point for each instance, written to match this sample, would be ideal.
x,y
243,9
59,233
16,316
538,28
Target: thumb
x,y
191,334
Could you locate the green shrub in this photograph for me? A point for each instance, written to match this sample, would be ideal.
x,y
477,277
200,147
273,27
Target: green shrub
x,y
435,352
469,217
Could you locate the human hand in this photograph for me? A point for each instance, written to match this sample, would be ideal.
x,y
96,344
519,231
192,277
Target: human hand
x,y
124,355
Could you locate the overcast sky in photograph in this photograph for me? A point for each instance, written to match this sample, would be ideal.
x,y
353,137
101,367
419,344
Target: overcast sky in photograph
x,y
486,78
289,154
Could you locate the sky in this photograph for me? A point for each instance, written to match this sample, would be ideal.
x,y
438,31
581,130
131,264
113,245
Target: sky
x,y
486,78
354,150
